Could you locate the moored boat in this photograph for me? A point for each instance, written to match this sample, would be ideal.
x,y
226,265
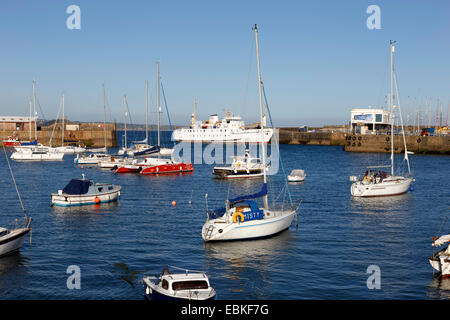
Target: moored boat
x,y
379,183
85,192
297,175
241,167
440,260
178,286
92,158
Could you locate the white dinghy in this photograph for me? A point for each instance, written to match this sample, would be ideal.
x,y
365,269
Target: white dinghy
x,y
297,175
80,192
190,285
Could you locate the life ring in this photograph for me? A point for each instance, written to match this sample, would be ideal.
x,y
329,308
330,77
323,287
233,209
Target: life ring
x,y
366,179
359,138
359,144
236,215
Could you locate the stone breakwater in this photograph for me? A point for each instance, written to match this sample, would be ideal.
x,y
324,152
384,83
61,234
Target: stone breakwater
x,y
367,143
90,134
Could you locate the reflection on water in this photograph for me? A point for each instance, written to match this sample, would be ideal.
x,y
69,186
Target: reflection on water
x,y
86,209
245,264
439,288
13,270
376,205
7,263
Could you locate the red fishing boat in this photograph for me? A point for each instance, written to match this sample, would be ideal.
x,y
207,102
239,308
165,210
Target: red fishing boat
x,y
172,167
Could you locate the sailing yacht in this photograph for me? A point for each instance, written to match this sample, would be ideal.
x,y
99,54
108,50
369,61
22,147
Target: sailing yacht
x,y
242,218
11,240
36,152
68,149
376,182
95,158
142,147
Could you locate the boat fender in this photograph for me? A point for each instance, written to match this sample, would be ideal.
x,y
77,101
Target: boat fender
x,y
236,215
387,138
419,140
97,200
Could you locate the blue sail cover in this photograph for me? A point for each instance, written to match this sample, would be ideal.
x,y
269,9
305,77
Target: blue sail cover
x,y
151,150
260,194
77,186
221,211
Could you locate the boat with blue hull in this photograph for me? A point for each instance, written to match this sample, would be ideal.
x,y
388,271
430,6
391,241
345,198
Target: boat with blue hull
x,y
190,285
79,192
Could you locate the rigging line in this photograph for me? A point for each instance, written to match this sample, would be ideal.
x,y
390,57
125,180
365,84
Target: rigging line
x,y
276,141
14,181
442,223
56,122
401,122
250,63
167,109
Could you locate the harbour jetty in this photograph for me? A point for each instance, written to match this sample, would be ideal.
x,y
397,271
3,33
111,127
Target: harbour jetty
x,y
338,136
327,136
90,134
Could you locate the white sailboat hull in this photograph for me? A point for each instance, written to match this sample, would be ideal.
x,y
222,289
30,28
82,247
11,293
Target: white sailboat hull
x,y
441,263
389,187
13,241
273,223
30,155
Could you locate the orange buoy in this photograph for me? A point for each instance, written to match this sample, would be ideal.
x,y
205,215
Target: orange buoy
x,y
97,200
174,203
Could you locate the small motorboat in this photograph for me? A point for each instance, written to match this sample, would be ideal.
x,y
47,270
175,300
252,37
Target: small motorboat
x,y
178,286
93,158
241,167
297,175
80,192
440,260
12,240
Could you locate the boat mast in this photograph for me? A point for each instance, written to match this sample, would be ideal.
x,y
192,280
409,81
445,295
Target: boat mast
x,y
104,114
159,102
62,134
265,198
29,122
34,108
391,100
125,119
146,112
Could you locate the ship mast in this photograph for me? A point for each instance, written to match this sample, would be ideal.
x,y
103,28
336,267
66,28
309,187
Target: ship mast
x,y
265,198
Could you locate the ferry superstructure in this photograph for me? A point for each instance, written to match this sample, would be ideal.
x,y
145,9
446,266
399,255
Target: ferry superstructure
x,y
229,129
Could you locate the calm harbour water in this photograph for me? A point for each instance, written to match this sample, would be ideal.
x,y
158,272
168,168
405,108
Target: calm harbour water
x,y
326,257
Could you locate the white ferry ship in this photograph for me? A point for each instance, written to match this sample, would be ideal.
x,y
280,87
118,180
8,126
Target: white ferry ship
x,y
229,129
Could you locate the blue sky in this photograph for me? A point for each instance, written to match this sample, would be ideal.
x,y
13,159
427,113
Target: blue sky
x,y
318,58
